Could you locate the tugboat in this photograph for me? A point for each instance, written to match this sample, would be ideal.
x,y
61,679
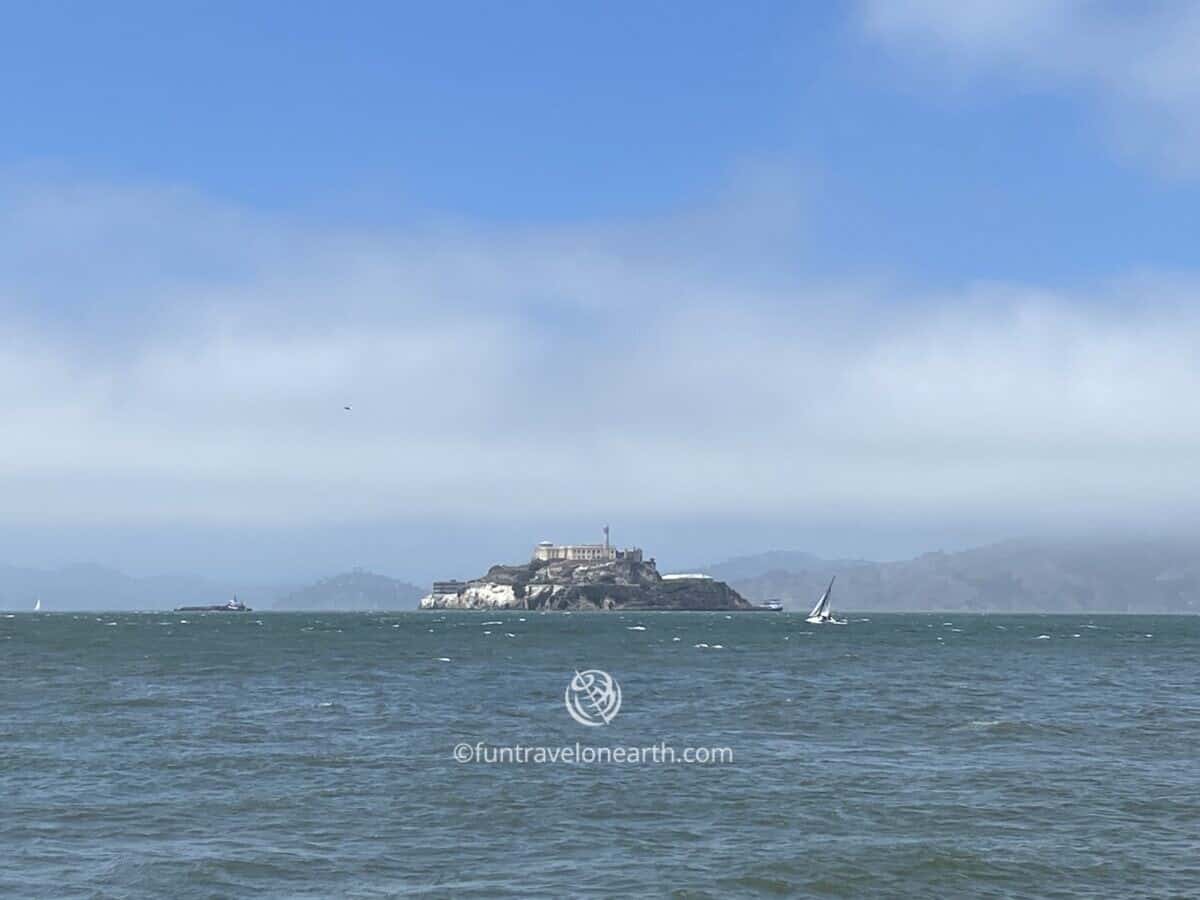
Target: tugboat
x,y
233,605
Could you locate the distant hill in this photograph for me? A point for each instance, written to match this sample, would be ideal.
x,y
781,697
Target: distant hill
x,y
741,567
86,586
91,587
1014,576
355,590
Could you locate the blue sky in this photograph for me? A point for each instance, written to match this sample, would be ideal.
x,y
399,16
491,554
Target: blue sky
x,y
549,112
893,267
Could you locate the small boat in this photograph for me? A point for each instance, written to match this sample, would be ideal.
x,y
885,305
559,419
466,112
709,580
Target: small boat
x,y
37,605
773,605
233,605
822,613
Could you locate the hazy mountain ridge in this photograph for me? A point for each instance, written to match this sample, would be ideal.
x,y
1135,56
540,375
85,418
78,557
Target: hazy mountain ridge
x,y
748,567
1014,576
88,586
356,590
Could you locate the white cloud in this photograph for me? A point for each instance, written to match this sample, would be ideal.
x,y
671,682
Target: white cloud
x,y
496,375
1136,60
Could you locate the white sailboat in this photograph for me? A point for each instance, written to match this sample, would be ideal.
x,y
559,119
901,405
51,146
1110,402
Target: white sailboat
x,y
822,613
37,605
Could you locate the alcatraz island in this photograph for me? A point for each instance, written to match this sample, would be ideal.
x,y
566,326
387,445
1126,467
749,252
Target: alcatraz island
x,y
585,577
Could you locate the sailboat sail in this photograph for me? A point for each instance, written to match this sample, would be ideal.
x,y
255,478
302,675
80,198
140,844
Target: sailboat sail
x,y
826,611
822,610
822,613
37,604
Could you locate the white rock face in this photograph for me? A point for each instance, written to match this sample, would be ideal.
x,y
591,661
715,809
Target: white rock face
x,y
476,596
542,592
490,596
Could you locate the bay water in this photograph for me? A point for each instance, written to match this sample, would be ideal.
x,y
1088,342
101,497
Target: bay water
x,y
321,755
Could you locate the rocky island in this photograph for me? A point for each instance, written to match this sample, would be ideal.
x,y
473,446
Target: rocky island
x,y
585,577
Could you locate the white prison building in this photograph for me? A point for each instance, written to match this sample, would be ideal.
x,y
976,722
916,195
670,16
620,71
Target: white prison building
x,y
548,551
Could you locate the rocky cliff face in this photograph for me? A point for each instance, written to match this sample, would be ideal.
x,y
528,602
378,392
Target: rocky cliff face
x,y
620,584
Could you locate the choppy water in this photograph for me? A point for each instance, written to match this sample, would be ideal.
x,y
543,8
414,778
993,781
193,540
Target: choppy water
x,y
301,755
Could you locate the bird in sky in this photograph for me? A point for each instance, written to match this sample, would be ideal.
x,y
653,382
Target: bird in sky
x,y
347,407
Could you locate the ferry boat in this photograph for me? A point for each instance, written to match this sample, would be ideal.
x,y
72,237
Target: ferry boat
x,y
233,605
